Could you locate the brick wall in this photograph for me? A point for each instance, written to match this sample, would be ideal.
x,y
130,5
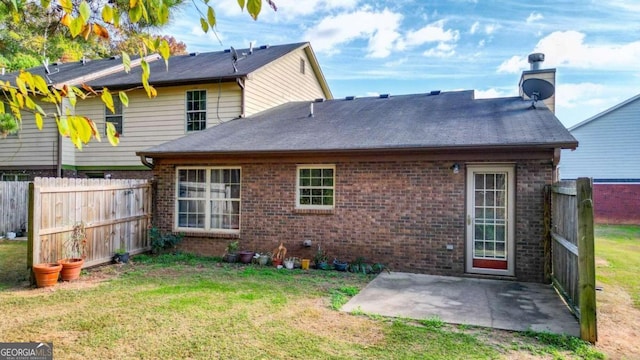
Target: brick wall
x,y
616,203
400,213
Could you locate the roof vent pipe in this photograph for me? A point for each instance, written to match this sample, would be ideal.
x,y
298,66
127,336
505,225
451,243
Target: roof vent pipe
x,y
311,110
535,60
250,47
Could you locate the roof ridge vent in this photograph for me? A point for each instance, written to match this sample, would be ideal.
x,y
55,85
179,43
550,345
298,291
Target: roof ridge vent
x,y
227,51
434,92
349,97
262,47
318,100
384,96
195,53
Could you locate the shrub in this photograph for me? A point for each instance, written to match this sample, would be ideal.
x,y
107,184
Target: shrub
x,y
163,240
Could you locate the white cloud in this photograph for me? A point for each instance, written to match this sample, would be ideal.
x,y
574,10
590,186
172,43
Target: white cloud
x,y
574,95
534,16
492,93
513,65
568,49
379,28
474,28
491,28
431,33
481,43
382,31
442,50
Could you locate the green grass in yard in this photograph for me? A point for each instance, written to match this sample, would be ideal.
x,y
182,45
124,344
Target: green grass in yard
x,y
619,245
184,306
13,263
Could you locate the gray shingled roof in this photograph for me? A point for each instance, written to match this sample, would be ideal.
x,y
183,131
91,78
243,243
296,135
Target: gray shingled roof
x,y
65,72
419,121
183,69
202,67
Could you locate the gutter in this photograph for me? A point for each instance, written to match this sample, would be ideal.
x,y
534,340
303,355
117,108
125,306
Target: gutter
x,y
363,151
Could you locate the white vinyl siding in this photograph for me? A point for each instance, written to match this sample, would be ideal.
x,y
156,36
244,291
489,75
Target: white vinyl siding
x,y
152,122
208,199
608,146
31,147
280,82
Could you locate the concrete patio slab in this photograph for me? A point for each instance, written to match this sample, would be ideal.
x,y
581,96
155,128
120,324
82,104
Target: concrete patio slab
x,y
500,304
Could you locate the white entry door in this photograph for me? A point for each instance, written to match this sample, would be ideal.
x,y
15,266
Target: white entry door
x,y
490,219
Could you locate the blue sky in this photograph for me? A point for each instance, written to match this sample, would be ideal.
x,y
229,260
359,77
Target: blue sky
x,y
367,48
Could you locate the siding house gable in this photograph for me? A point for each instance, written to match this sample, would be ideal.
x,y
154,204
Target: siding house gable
x,y
148,122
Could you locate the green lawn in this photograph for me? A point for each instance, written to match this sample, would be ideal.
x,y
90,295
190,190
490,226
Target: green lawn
x,y
13,263
181,306
619,246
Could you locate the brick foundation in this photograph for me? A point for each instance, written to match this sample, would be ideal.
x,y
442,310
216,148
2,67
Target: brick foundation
x,y
616,203
400,213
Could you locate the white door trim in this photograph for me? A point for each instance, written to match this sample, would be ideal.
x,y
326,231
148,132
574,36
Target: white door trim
x,y
509,170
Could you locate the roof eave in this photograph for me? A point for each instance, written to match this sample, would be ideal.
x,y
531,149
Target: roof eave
x,y
390,150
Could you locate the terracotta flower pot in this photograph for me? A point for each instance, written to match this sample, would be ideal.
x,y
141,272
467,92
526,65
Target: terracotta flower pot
x,y
276,262
70,269
46,274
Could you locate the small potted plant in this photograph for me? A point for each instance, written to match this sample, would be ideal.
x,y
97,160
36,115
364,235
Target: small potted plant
x,y
231,255
46,274
321,259
262,258
75,252
288,263
121,256
245,256
340,265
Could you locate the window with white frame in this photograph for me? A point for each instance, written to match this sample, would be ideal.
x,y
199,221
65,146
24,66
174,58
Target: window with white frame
x,y
116,116
15,177
208,199
196,110
315,187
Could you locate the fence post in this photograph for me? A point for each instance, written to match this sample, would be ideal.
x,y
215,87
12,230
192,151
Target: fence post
x,y
586,261
546,235
30,233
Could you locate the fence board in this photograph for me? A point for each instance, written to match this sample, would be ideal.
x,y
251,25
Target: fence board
x,y
14,205
573,265
116,214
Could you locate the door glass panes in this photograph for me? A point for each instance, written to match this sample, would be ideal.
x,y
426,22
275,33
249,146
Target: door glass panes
x,y
490,221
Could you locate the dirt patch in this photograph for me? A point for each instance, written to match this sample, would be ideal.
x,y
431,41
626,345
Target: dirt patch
x,y
618,324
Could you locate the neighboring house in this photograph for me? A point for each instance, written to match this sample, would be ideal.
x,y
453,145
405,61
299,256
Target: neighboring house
x,y
197,92
438,183
610,154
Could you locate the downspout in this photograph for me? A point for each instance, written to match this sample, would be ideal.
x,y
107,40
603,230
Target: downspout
x,y
240,82
556,162
146,162
59,155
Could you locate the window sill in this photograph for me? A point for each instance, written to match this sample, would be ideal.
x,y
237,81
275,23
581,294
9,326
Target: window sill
x,y
314,211
210,234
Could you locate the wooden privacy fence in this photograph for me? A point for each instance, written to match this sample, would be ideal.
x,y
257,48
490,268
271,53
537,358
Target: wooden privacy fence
x,y
572,249
116,214
14,201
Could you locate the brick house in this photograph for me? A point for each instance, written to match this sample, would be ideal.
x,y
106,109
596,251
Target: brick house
x,y
439,183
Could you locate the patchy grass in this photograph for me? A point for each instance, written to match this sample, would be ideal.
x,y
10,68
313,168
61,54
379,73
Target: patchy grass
x,y
185,306
13,263
619,248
